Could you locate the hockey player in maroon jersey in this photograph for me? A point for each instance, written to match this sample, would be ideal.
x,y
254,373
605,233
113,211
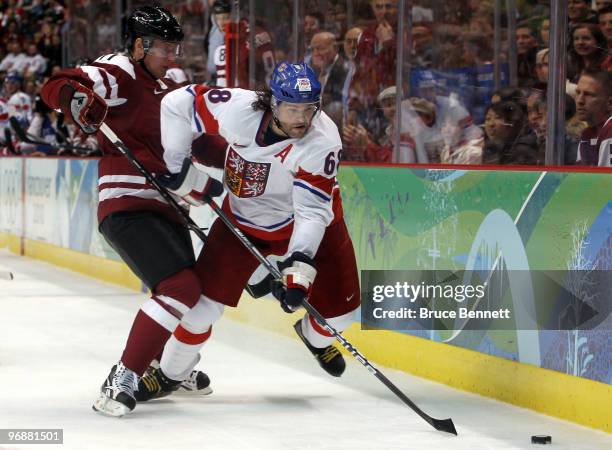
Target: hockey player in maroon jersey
x,y
125,92
280,172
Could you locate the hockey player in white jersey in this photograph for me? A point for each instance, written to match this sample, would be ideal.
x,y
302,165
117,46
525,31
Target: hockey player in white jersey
x,y
280,172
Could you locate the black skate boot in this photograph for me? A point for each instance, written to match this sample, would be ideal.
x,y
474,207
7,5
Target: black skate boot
x,y
154,384
117,392
329,358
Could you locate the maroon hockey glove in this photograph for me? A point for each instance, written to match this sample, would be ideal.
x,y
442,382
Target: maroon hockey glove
x,y
298,276
82,106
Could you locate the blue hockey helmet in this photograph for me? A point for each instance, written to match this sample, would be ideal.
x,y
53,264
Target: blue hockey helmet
x,y
295,83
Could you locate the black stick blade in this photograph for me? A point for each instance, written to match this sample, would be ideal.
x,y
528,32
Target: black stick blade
x,y
445,425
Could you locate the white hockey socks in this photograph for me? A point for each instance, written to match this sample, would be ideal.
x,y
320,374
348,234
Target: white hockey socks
x,y
181,351
317,336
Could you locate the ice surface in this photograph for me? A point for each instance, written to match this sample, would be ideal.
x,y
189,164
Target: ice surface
x,y
60,333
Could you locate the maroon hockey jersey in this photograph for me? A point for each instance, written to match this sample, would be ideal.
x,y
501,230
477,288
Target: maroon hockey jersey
x,y
133,96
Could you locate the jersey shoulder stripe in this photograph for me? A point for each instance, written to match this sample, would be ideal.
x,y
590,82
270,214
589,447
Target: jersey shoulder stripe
x,y
119,61
319,182
211,125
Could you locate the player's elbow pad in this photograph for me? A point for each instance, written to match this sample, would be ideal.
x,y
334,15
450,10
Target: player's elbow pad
x,y
192,184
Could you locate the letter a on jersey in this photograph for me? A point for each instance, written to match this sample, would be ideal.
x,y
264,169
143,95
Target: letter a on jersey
x,y
283,153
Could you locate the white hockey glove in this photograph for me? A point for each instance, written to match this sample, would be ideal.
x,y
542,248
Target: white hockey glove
x,y
192,184
298,276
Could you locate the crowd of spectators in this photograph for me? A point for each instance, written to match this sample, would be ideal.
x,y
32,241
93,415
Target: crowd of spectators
x,y
452,111
30,52
448,110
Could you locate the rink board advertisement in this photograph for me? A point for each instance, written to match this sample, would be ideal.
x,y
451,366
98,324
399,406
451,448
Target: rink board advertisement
x,y
456,220
400,219
11,204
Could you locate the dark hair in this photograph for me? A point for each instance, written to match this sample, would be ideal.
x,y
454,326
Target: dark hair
x,y
605,10
576,61
602,77
524,24
317,15
511,113
540,90
512,94
264,100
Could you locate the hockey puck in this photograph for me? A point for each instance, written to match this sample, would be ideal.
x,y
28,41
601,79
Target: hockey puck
x,y
541,440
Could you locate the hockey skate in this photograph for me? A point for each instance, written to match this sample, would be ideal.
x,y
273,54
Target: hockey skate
x,y
154,384
117,392
329,358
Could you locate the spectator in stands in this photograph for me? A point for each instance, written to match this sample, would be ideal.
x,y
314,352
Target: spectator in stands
x,y
34,64
536,111
337,23
448,47
349,46
601,4
314,21
423,119
537,114
579,11
542,72
589,50
480,19
31,88
358,142
477,56
535,135
331,72
19,103
526,49
50,45
14,60
423,54
545,32
605,23
42,129
10,33
594,106
458,151
376,53
505,125
510,94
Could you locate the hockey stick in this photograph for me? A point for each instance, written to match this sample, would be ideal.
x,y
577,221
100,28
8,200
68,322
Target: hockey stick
x,y
445,425
26,138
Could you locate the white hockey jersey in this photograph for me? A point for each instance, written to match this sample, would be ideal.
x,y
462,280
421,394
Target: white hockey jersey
x,y
276,191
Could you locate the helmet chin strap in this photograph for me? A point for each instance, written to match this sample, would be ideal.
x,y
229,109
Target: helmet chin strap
x,y
146,45
278,124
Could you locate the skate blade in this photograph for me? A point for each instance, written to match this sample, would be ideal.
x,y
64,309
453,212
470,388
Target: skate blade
x,y
109,407
183,392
